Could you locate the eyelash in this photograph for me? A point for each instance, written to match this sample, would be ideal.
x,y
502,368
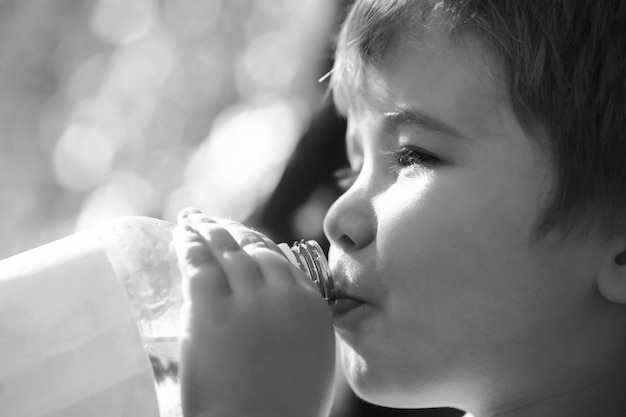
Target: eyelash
x,y
411,157
407,157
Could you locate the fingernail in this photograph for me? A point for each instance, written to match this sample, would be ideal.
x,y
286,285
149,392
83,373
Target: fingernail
x,y
231,247
186,212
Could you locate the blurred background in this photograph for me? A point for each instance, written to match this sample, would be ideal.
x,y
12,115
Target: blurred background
x,y
114,107
144,107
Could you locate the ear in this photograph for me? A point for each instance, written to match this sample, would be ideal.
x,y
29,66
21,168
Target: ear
x,y
611,277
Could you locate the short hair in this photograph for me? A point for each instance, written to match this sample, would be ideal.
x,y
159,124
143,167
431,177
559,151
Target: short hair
x,y
565,67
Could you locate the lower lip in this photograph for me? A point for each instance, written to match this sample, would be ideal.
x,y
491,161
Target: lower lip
x,y
345,308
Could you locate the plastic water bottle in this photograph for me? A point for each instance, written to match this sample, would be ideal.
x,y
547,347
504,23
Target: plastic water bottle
x,y
141,253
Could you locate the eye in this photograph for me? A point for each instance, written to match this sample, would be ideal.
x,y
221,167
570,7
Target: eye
x,y
345,177
411,157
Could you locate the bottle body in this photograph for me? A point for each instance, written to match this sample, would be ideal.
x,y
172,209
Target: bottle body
x,y
69,341
141,252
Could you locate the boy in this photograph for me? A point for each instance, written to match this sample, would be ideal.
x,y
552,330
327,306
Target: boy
x,y
479,249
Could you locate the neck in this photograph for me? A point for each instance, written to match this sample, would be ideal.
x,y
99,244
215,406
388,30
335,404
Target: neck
x,y
606,398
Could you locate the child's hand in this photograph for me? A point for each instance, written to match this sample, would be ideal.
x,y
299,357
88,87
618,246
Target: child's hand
x,y
257,335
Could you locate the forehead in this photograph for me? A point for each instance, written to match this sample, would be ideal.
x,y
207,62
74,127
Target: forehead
x,y
452,78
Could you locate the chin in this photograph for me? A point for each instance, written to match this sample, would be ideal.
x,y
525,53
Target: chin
x,y
386,395
381,383
372,382
361,376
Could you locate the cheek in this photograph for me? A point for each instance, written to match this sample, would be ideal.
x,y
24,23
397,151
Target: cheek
x,y
466,254
455,247
451,218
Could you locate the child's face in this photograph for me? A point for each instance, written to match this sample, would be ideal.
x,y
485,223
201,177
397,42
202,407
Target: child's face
x,y
460,299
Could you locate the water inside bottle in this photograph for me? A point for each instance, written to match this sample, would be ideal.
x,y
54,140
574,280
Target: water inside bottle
x,y
161,342
164,354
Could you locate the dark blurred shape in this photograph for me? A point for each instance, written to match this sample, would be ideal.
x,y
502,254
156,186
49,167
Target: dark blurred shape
x,y
309,172
362,409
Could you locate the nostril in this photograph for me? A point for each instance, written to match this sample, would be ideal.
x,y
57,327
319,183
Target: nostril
x,y
346,242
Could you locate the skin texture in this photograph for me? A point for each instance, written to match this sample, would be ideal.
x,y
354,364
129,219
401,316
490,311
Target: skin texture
x,y
462,305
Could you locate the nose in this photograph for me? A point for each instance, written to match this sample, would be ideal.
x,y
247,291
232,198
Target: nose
x,y
350,223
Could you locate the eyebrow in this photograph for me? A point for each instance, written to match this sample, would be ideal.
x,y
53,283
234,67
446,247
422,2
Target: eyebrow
x,y
417,118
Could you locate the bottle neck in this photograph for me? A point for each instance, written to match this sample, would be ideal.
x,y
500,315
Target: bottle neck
x,y
309,257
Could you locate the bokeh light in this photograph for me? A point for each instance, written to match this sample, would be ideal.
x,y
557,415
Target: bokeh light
x,y
121,21
240,163
82,158
112,108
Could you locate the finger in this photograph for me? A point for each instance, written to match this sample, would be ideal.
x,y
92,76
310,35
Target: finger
x,y
185,213
249,238
192,217
260,247
275,267
203,276
245,236
241,269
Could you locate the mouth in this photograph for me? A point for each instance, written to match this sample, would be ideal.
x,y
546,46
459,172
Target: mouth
x,y
344,305
353,299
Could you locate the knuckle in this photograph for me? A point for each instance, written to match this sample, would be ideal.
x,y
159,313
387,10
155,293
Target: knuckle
x,y
249,238
260,249
198,254
230,247
254,246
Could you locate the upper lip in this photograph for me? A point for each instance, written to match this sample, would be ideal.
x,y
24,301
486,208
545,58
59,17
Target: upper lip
x,y
346,287
344,290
